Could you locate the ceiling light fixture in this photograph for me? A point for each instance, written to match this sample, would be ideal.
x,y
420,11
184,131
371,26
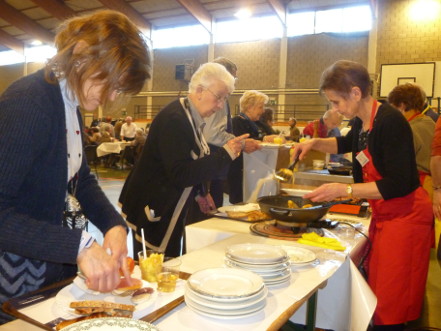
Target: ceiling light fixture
x,y
425,10
243,13
36,42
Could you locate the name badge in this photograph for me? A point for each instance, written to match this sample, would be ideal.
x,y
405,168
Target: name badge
x,y
362,158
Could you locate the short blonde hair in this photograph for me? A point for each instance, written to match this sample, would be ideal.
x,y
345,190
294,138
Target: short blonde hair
x,y
208,74
250,98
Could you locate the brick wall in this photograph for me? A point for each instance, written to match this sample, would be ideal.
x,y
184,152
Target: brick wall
x,y
403,40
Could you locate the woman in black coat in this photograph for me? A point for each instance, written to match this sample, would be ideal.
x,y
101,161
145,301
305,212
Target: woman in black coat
x,y
176,162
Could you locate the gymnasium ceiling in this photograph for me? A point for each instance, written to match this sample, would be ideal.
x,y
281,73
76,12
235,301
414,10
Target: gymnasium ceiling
x,y
24,21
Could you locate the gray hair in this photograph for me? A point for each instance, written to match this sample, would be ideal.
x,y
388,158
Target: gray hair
x,y
333,115
208,74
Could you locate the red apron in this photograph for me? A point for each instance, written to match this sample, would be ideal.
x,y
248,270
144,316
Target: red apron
x,y
401,232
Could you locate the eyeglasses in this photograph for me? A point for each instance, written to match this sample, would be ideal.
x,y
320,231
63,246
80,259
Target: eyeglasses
x,y
218,97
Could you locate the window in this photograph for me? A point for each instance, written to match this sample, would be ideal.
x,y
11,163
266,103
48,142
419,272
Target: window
x,y
301,23
342,20
179,37
257,28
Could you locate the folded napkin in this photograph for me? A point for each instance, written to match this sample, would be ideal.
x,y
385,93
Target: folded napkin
x,y
314,239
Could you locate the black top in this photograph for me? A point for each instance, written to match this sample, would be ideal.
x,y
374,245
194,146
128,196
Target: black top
x,y
242,125
390,143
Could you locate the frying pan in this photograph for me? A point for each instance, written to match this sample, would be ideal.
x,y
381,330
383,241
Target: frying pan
x,y
340,170
277,207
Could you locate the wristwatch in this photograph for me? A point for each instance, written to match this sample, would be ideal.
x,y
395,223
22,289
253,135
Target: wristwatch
x,y
349,190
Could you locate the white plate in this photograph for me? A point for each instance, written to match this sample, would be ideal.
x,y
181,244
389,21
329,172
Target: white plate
x,y
240,208
228,300
298,255
296,192
226,305
256,253
111,324
74,293
273,145
223,317
222,312
259,268
225,282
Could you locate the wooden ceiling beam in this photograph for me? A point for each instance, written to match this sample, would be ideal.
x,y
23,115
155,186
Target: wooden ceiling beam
x,y
131,13
279,8
24,23
55,8
13,43
198,11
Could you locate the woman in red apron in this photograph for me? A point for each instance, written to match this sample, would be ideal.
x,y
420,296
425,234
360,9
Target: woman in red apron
x,y
385,173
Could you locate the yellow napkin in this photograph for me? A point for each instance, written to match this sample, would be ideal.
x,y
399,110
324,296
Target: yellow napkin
x,y
314,239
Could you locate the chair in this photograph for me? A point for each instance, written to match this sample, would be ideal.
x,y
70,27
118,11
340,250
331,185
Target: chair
x,y
91,157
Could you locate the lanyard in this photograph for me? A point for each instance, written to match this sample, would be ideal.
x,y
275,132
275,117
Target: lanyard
x,y
413,116
199,137
373,113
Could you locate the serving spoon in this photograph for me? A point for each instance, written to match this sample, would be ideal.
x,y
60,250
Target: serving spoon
x,y
287,174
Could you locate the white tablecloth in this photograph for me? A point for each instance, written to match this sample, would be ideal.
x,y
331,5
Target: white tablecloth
x,y
346,303
111,148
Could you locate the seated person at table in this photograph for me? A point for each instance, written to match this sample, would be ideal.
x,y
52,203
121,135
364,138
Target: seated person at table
x,y
294,132
252,105
106,135
106,125
98,55
176,163
94,136
133,151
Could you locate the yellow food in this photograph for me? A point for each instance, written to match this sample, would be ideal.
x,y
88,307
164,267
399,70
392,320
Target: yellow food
x,y
308,205
151,266
292,204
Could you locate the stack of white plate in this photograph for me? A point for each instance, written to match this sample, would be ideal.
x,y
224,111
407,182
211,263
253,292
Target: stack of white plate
x,y
270,262
225,293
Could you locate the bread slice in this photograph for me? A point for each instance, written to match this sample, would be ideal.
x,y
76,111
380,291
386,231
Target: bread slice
x,y
99,306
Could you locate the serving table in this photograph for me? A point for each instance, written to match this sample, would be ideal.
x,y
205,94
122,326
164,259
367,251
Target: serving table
x,y
115,147
345,302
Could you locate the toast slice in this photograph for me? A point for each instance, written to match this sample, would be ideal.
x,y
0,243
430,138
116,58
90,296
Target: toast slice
x,y
99,306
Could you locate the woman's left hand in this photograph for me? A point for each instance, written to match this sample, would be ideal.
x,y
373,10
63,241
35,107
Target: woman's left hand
x,y
115,240
327,192
206,203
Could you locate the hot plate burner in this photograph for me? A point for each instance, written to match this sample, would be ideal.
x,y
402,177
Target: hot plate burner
x,y
273,230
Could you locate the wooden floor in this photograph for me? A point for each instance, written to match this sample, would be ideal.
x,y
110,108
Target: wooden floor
x,y
111,180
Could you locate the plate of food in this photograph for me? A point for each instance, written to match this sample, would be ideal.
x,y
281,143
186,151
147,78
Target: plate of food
x,y
75,300
249,212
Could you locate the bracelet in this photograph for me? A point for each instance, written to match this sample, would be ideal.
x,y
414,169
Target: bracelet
x,y
86,241
436,187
